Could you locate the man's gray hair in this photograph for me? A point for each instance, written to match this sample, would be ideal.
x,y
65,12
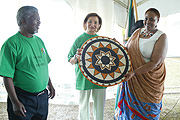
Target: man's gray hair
x,y
24,13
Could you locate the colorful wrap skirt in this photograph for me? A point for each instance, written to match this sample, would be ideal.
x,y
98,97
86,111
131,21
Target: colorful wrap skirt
x,y
129,108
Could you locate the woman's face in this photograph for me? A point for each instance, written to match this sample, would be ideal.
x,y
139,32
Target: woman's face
x,y
92,25
150,21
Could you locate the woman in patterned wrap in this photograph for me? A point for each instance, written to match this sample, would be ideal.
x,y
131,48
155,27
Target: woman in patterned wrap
x,y
142,92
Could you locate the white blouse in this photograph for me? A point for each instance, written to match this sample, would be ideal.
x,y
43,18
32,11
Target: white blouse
x,y
146,46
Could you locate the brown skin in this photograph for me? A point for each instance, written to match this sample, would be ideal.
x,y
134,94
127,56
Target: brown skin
x,y
30,26
18,107
27,28
51,89
92,26
160,48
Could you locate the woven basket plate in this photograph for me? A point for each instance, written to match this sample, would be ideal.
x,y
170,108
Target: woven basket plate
x,y
104,61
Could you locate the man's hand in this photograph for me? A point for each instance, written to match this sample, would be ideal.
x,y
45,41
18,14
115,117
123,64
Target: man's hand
x,y
51,89
19,109
52,92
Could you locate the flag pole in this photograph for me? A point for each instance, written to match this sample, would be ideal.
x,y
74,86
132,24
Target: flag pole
x,y
135,9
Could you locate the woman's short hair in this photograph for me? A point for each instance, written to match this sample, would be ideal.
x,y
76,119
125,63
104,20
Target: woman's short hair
x,y
92,15
155,11
24,13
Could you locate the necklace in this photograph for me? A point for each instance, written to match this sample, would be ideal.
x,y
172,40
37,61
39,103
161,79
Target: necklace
x,y
147,33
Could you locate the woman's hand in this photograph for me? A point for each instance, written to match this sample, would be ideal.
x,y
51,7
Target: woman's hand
x,y
78,53
129,75
74,59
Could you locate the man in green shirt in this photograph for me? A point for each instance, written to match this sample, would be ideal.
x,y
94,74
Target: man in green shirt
x,y
24,67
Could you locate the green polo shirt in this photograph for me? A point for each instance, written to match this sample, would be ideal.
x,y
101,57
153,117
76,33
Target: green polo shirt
x,y
25,60
81,82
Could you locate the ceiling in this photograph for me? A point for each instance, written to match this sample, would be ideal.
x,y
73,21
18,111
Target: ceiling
x,y
118,9
165,7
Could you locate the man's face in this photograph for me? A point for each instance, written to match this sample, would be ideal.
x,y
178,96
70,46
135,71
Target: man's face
x,y
32,23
